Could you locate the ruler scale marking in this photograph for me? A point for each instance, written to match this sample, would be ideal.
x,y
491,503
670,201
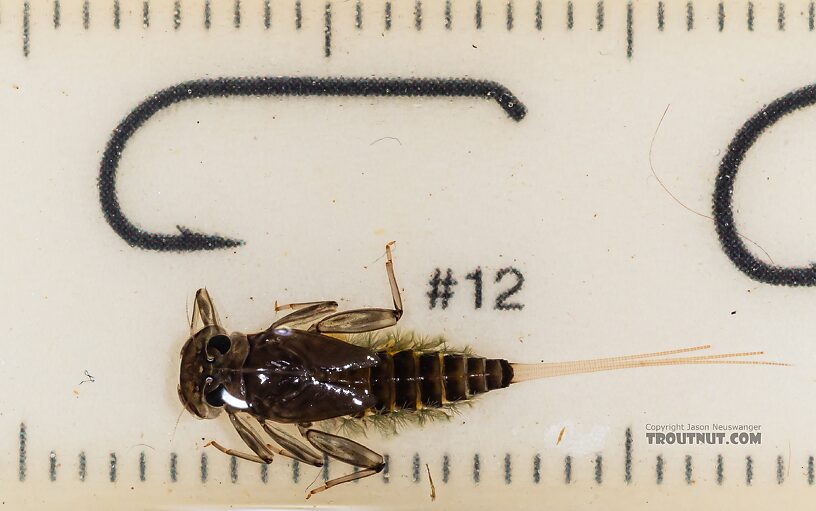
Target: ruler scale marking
x,y
661,16
23,438
750,16
82,468
811,16
720,470
720,16
689,16
204,468
617,24
659,470
630,31
416,471
599,16
568,470
537,468
688,470
26,28
627,460
52,466
780,470
327,16
780,17
749,470
112,467
173,467
598,469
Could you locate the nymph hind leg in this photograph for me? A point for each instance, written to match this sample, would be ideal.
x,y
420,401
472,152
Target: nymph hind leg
x,y
237,454
299,450
264,451
345,450
366,320
305,315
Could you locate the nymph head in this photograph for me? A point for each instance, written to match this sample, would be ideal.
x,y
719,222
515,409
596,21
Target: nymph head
x,y
210,362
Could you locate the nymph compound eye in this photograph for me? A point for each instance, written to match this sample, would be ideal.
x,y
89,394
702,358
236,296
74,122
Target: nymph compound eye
x,y
212,392
219,344
216,396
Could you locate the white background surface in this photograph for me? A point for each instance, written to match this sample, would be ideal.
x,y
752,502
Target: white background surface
x,y
613,265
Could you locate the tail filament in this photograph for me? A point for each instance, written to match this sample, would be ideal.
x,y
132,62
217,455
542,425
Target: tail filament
x,y
525,372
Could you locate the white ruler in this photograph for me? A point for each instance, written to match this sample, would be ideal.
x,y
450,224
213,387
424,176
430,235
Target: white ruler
x,y
574,147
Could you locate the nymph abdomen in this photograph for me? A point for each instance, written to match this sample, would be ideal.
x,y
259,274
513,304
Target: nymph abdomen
x,y
410,380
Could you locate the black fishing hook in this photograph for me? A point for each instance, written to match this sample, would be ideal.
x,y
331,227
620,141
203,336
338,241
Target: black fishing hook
x,y
732,244
188,240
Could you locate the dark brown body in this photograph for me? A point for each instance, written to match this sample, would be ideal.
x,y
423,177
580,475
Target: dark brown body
x,y
298,376
411,380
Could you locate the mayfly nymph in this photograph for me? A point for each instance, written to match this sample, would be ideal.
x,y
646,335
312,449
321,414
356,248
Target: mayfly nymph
x,y
295,372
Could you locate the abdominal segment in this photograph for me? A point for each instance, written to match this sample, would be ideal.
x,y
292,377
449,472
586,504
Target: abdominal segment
x,y
413,380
